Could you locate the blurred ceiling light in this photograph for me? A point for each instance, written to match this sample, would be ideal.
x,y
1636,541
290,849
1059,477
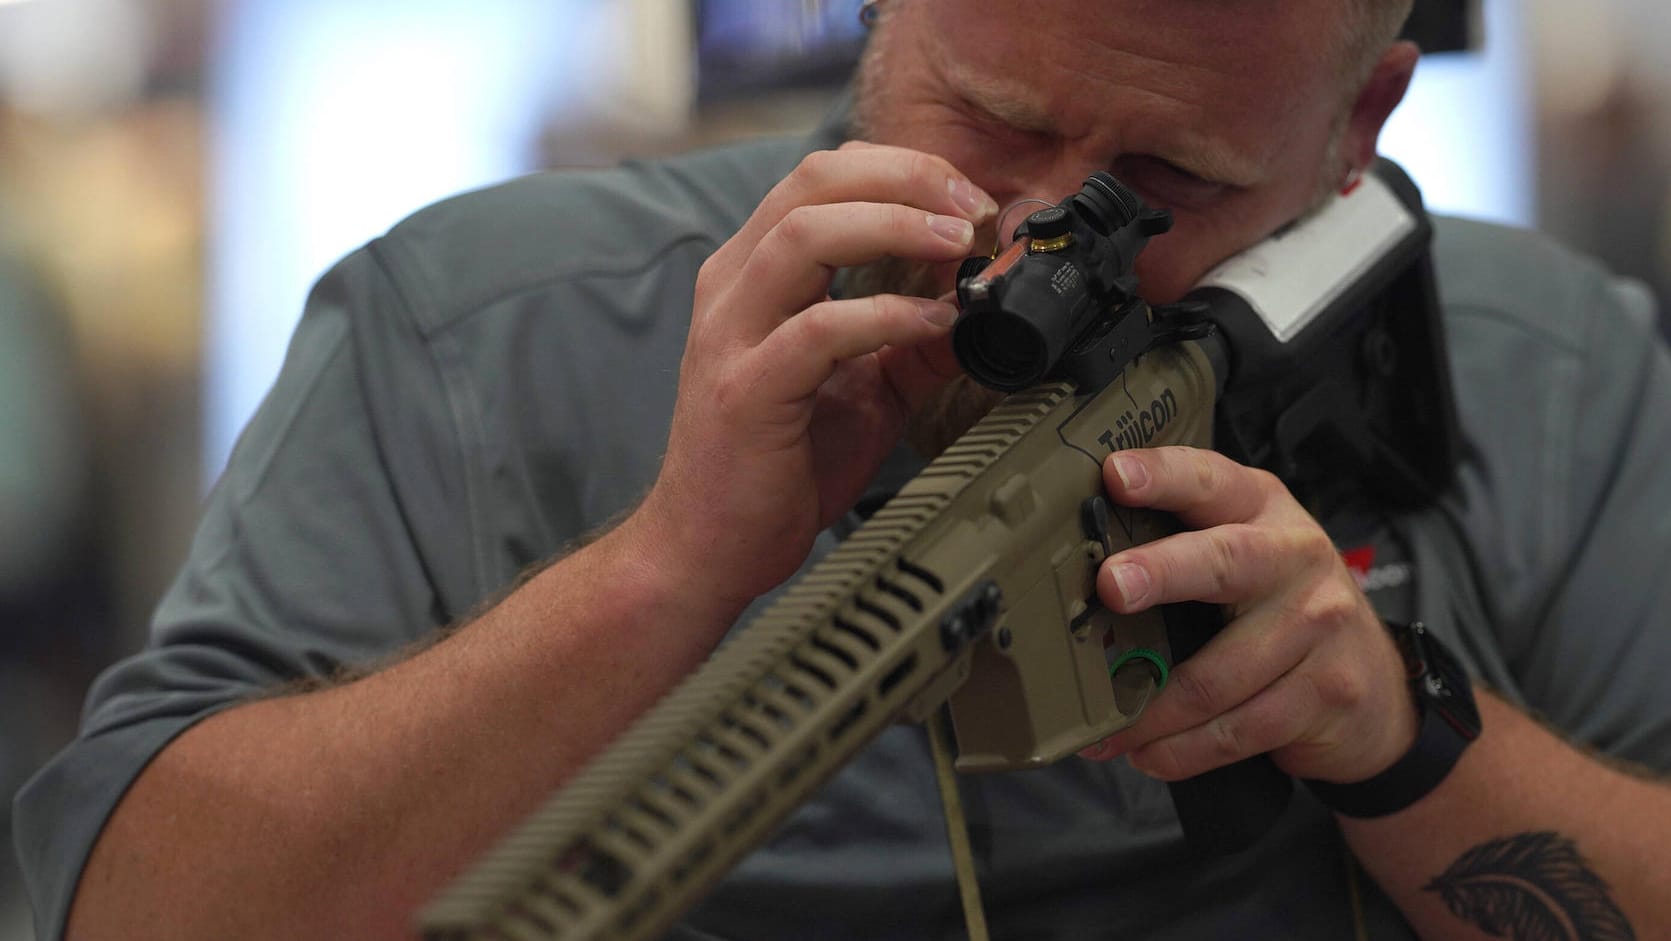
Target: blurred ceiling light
x,y
1580,54
1464,130
335,118
73,56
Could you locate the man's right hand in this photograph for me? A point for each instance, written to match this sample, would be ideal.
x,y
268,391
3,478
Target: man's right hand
x,y
788,400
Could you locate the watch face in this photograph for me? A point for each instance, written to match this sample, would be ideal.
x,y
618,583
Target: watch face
x,y
1442,682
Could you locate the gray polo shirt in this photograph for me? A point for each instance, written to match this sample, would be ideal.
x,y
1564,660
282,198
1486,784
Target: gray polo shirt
x,y
495,377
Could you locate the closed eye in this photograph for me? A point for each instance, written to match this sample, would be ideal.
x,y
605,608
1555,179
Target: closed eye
x,y
1165,184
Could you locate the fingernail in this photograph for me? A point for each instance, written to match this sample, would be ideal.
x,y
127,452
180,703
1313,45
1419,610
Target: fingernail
x,y
1104,750
954,230
971,199
938,313
1132,581
1132,472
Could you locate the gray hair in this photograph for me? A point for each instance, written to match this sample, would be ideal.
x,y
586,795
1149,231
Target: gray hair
x,y
1371,26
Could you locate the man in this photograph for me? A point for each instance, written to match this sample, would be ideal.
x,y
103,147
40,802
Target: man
x,y
492,382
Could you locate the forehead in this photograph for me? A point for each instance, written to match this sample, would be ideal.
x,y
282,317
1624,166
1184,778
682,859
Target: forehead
x,y
1226,72
1272,35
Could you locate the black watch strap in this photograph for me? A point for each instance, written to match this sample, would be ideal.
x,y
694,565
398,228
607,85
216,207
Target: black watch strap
x,y
1449,724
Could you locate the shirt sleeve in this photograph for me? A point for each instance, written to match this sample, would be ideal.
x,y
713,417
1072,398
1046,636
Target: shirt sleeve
x,y
302,566
1561,511
1596,661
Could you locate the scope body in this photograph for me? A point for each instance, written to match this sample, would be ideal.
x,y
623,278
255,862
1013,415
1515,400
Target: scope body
x,y
1065,280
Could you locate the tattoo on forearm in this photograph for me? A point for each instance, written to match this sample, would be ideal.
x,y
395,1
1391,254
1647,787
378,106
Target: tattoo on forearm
x,y
1531,887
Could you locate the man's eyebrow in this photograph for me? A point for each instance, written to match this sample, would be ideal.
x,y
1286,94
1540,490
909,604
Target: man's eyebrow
x,y
1009,103
1003,101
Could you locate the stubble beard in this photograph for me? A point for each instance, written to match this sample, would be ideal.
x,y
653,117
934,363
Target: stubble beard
x,y
961,402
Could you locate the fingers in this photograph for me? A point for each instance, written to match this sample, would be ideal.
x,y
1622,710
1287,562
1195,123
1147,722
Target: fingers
x,y
1305,718
860,172
1247,535
1228,565
915,373
804,352
837,209
1269,721
1232,670
1304,671
791,267
788,400
1202,488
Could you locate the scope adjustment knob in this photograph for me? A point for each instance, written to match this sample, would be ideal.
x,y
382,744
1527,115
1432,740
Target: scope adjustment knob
x,y
1050,229
1049,223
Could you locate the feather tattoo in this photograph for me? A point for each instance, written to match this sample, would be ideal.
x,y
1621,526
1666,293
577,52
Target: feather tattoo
x,y
1531,887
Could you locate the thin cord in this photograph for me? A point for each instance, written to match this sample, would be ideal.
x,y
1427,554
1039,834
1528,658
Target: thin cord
x,y
1359,932
998,238
957,828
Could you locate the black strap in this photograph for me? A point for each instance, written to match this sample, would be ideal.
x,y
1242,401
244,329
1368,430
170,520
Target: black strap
x,y
1411,778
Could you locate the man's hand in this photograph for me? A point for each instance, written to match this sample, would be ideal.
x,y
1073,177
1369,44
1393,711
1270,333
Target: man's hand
x,y
788,400
1304,670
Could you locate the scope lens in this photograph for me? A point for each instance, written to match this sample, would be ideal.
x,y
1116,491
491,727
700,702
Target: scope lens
x,y
1001,351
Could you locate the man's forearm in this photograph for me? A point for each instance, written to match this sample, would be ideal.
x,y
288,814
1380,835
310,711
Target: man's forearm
x,y
1526,831
336,813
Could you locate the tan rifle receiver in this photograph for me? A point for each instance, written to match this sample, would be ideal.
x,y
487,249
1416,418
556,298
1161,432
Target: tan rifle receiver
x,y
973,587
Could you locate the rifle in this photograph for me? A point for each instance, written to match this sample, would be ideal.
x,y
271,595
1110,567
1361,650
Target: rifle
x,y
973,589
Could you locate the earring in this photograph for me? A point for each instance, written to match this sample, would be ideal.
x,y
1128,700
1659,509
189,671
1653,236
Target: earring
x,y
1354,176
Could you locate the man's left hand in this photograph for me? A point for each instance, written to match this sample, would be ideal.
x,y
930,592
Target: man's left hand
x,y
1303,670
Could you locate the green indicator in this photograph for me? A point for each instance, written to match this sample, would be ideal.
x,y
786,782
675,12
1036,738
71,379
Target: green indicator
x,y
1152,657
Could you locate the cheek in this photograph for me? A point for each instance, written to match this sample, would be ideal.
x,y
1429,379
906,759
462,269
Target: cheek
x,y
1174,262
1009,175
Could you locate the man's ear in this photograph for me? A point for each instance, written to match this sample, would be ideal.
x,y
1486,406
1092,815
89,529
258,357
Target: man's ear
x,y
1376,100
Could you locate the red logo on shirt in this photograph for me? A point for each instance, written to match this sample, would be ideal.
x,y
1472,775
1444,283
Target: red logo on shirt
x,y
1359,560
1370,577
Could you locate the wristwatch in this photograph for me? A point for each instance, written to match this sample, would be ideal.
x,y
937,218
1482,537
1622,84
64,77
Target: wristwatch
x,y
1450,721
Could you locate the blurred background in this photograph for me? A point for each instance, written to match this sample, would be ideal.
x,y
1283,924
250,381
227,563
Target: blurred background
x,y
175,173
